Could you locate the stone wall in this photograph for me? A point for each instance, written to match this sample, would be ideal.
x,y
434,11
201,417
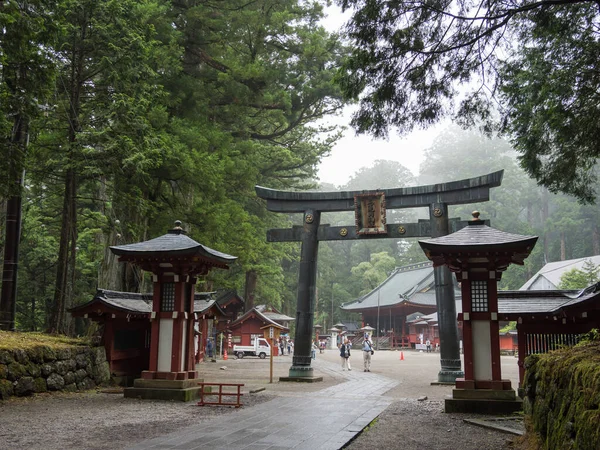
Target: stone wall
x,y
562,397
42,369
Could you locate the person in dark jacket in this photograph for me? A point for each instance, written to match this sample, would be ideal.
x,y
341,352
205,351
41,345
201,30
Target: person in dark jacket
x,y
345,354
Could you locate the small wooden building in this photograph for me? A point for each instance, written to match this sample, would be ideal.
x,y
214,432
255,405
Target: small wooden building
x,y
251,324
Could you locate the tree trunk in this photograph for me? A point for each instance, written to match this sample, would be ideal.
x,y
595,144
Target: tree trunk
x,y
530,215
8,295
544,219
596,239
62,266
8,298
563,247
250,289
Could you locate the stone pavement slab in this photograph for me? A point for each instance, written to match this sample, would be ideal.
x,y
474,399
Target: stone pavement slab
x,y
326,419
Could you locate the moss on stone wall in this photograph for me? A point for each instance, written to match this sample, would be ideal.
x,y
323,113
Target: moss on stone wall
x,y
42,365
562,401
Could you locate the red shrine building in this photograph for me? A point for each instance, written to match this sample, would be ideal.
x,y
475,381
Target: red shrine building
x,y
252,324
404,306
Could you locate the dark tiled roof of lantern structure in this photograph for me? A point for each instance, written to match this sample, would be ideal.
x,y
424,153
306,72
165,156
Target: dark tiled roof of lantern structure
x,y
479,238
174,243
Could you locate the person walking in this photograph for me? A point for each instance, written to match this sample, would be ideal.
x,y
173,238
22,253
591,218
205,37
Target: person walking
x,y
281,346
209,348
367,352
428,345
345,354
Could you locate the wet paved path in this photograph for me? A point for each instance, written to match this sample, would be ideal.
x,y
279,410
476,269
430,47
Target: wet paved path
x,y
324,420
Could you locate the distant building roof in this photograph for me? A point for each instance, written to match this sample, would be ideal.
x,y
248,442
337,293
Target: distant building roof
x,y
351,327
413,284
261,316
273,314
511,304
548,277
227,296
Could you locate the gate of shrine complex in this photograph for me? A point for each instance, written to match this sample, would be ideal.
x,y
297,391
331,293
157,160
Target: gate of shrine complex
x,y
370,223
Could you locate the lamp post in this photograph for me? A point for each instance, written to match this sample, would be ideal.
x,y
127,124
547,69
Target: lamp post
x,y
378,332
332,304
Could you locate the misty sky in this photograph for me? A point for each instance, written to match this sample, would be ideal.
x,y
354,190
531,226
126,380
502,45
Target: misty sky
x,y
353,152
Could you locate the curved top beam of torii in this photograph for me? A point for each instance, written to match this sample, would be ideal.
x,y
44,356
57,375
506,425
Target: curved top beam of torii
x,y
469,190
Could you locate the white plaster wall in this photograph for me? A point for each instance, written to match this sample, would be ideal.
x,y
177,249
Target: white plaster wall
x,y
542,284
165,343
482,350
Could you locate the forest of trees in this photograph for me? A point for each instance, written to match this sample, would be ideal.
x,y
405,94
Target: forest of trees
x,y
119,117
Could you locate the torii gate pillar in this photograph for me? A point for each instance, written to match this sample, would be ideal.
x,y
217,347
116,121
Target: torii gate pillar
x,y
305,311
445,302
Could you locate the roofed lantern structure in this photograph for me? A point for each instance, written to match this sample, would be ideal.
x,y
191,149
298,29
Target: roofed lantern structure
x,y
175,261
477,255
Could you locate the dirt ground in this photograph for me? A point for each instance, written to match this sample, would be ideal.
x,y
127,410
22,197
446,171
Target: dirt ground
x,y
101,420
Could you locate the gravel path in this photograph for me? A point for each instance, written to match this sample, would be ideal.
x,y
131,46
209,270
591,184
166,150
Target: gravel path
x,y
97,420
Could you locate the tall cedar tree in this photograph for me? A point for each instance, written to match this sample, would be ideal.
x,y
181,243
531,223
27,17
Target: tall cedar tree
x,y
528,69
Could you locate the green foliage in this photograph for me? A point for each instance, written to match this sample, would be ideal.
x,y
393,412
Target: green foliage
x,y
527,70
163,111
372,273
593,335
510,326
548,85
26,78
580,279
518,206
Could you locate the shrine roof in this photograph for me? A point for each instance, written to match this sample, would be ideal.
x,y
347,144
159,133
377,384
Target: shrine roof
x,y
254,312
129,302
514,303
227,296
477,236
412,284
273,314
544,301
136,303
203,305
174,243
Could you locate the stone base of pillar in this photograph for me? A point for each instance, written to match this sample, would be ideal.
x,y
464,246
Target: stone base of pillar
x,y
156,389
483,401
302,374
446,376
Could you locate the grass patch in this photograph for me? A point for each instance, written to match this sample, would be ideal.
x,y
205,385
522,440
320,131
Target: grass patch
x,y
15,339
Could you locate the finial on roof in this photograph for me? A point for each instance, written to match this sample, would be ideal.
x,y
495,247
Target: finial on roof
x,y
177,229
476,220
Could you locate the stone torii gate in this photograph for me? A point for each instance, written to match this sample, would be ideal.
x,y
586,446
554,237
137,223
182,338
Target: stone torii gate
x,y
370,217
